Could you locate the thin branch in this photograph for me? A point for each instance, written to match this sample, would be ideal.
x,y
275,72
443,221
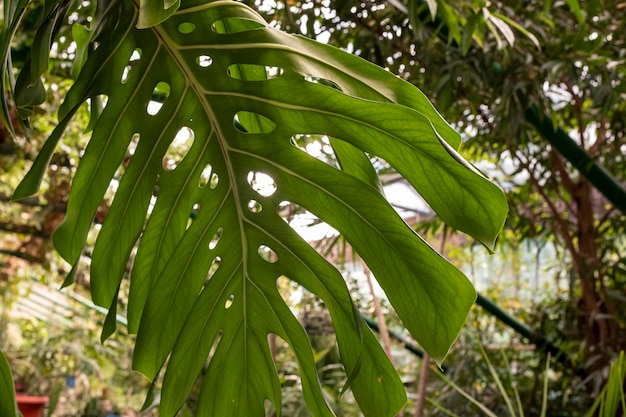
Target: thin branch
x,y
22,255
562,225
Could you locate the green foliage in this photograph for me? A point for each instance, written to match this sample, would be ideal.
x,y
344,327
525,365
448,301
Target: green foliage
x,y
215,74
513,406
612,399
8,406
499,369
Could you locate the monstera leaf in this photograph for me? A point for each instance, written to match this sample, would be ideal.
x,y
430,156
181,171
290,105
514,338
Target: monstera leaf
x,y
203,288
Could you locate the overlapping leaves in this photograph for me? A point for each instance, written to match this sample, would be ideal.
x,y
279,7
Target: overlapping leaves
x,y
207,287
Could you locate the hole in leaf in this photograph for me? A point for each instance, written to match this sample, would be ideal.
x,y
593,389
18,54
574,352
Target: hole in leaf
x,y
323,81
160,93
249,122
287,210
262,183
186,27
132,62
193,215
205,176
316,319
96,105
132,146
229,301
213,269
268,254
287,368
215,179
125,74
216,238
254,206
305,223
318,146
253,72
235,25
153,200
204,61
178,148
284,286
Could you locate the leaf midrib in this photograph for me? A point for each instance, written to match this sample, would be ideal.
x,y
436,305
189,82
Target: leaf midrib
x,y
166,41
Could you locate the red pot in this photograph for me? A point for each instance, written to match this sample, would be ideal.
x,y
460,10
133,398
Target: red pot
x,y
31,406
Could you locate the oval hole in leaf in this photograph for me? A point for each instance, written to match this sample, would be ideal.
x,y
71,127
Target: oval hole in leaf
x,y
178,148
153,200
205,176
132,146
305,223
216,238
132,62
287,210
285,287
97,105
253,72
235,25
262,183
186,27
193,215
254,206
215,179
213,268
160,93
267,254
249,122
323,81
204,61
318,146
229,301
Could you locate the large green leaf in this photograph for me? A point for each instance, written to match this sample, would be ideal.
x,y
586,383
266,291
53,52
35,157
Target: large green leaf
x,y
206,288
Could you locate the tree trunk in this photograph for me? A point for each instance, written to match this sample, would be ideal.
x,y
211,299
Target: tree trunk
x,y
596,318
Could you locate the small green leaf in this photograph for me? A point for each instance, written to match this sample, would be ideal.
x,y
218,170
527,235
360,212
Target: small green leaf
x,y
110,322
574,6
452,22
519,27
40,51
81,36
503,28
153,12
432,7
29,92
8,406
32,181
469,31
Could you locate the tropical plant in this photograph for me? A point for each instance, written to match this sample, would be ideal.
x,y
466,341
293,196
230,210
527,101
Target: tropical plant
x,y
207,220
538,88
